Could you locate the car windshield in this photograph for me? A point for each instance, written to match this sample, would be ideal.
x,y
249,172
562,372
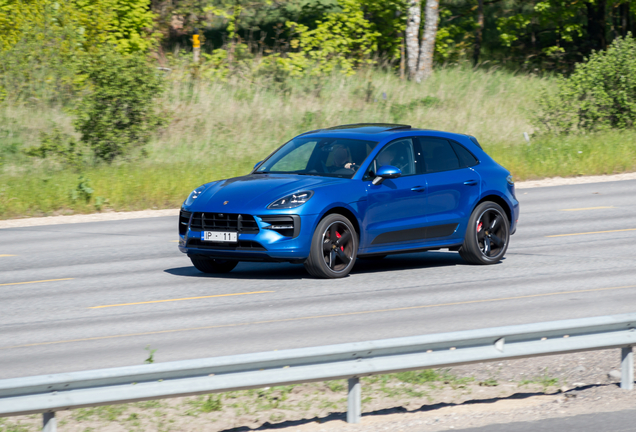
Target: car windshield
x,y
329,157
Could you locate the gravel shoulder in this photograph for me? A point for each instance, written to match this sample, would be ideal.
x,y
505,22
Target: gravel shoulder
x,y
111,216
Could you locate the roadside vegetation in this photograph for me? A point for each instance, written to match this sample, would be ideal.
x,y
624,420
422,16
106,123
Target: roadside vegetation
x,y
102,107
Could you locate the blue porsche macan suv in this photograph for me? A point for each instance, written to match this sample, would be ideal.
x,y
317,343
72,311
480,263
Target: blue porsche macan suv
x,y
332,195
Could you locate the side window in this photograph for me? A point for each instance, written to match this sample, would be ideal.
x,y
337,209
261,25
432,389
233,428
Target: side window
x,y
466,158
438,155
399,154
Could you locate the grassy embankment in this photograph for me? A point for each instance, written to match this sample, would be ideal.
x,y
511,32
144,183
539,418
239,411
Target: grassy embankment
x,y
220,130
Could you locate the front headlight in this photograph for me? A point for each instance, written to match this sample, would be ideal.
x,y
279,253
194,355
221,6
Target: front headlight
x,y
291,201
510,180
194,195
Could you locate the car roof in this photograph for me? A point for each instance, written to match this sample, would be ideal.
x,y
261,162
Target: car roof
x,y
370,131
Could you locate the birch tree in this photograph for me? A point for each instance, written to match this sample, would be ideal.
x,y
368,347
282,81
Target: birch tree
x,y
427,46
412,36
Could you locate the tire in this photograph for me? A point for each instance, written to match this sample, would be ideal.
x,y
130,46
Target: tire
x,y
332,259
487,235
213,265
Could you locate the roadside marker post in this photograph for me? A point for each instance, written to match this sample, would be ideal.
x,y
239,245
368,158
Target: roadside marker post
x,y
196,46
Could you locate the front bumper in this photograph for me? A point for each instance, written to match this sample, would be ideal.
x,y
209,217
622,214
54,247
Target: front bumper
x,y
261,244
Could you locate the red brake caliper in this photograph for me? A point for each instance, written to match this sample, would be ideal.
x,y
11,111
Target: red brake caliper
x,y
479,226
338,235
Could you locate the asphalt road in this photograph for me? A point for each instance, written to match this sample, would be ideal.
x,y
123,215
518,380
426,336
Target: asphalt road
x,y
55,282
617,421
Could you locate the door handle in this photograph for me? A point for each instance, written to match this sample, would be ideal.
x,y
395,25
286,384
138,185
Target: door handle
x,y
418,189
470,182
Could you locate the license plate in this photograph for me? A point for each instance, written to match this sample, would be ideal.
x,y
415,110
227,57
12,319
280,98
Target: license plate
x,y
217,236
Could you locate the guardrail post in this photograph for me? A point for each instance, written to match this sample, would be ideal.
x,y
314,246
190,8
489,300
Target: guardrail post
x,y
627,368
49,422
354,401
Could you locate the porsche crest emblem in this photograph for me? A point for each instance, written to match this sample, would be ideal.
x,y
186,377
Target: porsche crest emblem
x,y
225,202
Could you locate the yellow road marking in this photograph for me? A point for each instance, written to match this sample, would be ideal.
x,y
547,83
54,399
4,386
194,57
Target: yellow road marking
x,y
6,255
587,208
315,317
593,232
174,241
30,282
180,299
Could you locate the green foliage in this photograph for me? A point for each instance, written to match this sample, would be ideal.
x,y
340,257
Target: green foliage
x,y
387,18
599,95
118,115
60,146
130,26
151,355
44,42
343,41
83,191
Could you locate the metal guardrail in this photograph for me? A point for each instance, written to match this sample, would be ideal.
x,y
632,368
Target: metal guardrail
x,y
49,393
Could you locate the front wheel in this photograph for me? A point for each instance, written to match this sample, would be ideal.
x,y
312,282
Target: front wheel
x,y
334,247
487,235
213,265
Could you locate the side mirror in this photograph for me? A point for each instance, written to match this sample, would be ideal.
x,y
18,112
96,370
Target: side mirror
x,y
386,172
257,164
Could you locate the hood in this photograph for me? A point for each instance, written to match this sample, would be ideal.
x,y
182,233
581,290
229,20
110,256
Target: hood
x,y
255,191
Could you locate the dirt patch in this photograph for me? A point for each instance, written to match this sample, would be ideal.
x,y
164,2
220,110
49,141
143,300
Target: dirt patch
x,y
461,397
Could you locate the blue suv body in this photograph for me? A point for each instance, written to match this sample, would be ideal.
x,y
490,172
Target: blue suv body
x,y
378,189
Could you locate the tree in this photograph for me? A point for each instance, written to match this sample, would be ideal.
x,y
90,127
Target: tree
x,y
427,46
479,30
420,55
412,36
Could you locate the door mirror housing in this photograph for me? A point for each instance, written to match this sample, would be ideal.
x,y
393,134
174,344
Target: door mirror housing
x,y
257,164
386,172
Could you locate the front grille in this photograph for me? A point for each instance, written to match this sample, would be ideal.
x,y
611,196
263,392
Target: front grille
x,y
241,223
288,226
242,245
184,220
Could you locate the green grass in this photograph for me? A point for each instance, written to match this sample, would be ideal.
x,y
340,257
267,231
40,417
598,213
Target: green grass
x,y
219,130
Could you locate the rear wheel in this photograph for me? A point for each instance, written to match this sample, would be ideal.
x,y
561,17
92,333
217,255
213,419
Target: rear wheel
x,y
487,235
213,265
334,247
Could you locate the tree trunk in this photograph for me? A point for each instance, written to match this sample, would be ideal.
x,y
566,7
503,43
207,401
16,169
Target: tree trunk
x,y
478,31
596,24
412,36
624,17
427,47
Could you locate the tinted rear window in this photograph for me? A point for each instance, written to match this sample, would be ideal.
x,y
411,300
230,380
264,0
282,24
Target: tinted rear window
x,y
466,158
438,155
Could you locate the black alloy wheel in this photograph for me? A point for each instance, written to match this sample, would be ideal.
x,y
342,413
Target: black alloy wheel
x,y
333,248
487,235
213,265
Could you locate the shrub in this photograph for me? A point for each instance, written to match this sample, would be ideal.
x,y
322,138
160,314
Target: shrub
x,y
61,146
118,115
600,94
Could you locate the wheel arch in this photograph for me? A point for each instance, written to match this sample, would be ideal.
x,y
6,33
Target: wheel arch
x,y
498,200
348,213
